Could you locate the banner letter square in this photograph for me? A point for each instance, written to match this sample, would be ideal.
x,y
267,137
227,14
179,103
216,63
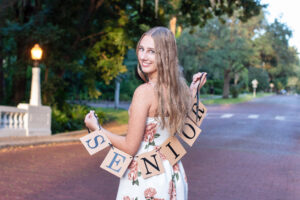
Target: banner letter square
x,y
150,164
197,115
116,162
95,142
173,150
190,132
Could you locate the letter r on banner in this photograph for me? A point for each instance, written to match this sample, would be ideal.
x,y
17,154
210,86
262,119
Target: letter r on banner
x,y
95,142
197,115
116,162
150,164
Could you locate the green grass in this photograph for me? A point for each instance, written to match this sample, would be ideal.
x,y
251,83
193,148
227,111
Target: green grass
x,y
240,99
120,115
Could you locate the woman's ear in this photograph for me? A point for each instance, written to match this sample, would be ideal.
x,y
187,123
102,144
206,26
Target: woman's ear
x,y
142,75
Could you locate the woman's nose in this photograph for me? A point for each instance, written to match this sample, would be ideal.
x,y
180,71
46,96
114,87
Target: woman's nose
x,y
143,56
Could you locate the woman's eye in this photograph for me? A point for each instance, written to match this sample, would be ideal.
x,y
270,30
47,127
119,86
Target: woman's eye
x,y
141,49
152,52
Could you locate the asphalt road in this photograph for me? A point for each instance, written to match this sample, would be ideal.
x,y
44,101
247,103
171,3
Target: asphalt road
x,y
245,151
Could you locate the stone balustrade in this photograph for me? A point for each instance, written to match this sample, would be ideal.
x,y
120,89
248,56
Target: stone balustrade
x,y
25,120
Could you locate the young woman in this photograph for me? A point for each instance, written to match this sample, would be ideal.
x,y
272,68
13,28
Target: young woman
x,y
158,110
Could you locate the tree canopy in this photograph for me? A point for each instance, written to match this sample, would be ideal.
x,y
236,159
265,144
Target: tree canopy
x,y
86,41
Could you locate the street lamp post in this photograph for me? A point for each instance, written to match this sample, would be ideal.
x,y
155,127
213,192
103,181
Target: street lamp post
x,y
35,93
37,119
271,86
254,86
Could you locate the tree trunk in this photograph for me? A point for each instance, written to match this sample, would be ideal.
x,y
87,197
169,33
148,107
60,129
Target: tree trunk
x,y
117,93
2,86
236,78
25,10
19,78
226,85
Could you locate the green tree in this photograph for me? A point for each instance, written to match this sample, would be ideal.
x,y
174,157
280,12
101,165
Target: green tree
x,y
277,57
221,49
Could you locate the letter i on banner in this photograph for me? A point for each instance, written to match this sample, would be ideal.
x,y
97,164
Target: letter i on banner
x,y
173,150
116,162
95,142
150,164
197,114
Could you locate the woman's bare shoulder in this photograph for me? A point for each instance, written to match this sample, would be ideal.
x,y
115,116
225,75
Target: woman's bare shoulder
x,y
144,89
143,95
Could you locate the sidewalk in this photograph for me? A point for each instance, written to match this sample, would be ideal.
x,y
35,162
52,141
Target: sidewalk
x,y
6,142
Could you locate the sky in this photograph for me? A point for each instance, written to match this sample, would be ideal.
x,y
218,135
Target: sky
x,y
287,12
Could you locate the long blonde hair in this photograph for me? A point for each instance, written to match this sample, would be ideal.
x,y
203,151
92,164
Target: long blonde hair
x,y
177,101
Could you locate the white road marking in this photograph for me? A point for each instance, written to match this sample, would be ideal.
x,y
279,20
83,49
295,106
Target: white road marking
x,y
253,116
281,118
228,115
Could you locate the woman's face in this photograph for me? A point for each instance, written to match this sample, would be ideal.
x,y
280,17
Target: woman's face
x,y
146,55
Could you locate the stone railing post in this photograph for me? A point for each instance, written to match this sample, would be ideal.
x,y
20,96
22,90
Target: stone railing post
x,y
37,120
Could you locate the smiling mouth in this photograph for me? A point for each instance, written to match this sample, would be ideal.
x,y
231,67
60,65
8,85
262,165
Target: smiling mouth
x,y
146,64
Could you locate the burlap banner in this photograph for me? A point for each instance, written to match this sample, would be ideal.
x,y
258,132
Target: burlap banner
x,y
149,163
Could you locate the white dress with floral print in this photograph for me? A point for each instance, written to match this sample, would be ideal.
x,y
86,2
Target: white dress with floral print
x,y
170,185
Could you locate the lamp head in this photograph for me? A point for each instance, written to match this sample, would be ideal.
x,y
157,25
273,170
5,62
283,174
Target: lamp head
x,y
36,52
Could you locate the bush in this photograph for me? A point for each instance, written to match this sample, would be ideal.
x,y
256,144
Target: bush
x,y
235,90
71,118
212,87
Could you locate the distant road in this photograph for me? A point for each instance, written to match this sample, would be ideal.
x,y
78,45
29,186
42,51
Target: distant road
x,y
247,151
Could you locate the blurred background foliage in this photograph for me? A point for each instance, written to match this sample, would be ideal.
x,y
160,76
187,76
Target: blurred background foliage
x,y
89,46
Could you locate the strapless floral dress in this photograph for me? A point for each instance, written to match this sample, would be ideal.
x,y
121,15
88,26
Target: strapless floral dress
x,y
170,185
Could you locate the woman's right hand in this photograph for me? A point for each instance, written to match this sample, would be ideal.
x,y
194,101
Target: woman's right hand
x,y
91,122
198,78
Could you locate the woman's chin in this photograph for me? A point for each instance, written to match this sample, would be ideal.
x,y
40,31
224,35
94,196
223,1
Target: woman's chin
x,y
147,70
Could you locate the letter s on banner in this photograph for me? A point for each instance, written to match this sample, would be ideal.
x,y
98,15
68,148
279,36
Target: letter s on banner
x,y
95,142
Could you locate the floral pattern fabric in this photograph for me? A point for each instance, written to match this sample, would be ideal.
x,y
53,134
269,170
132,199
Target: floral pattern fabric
x,y
170,185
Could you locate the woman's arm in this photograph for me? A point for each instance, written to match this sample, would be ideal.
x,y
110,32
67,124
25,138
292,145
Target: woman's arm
x,y
139,108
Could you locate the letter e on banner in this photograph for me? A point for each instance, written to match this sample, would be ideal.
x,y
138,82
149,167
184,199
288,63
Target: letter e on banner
x,y
173,150
197,115
150,164
95,142
116,162
190,132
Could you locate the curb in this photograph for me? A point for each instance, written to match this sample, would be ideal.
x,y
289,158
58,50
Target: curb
x,y
73,136
7,142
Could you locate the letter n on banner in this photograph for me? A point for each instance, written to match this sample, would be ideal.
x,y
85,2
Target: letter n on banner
x,y
95,141
150,164
197,115
173,150
116,162
190,132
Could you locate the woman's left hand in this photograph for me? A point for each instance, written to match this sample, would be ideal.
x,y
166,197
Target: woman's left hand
x,y
199,78
91,122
